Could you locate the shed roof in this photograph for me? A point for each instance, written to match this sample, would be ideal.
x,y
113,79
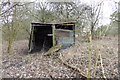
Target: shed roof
x,y
72,22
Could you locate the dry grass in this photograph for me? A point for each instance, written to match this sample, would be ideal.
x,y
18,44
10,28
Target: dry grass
x,y
108,48
21,64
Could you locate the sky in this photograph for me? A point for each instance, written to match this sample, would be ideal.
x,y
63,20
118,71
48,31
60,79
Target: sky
x,y
108,8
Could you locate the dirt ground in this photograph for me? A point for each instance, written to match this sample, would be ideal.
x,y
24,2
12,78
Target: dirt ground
x,y
21,64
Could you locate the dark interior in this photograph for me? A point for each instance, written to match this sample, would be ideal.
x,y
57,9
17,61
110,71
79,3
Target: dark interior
x,y
43,41
64,26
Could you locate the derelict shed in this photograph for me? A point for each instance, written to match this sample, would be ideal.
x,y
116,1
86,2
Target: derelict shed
x,y
45,35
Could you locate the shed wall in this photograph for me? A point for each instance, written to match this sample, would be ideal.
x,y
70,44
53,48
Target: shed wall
x,y
48,35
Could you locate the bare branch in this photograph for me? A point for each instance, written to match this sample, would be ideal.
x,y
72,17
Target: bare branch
x,y
13,7
97,16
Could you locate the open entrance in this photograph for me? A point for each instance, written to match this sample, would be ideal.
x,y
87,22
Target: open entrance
x,y
42,37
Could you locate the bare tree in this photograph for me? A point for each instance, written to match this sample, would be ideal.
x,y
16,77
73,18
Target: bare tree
x,y
11,21
93,16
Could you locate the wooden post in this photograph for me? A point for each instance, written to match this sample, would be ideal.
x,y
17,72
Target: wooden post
x,y
74,33
31,40
53,32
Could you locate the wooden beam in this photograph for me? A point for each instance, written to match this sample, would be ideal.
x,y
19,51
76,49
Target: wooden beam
x,y
52,24
39,25
31,40
67,24
53,32
53,49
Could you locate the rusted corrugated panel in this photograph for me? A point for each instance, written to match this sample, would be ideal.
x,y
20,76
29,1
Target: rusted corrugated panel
x,y
64,37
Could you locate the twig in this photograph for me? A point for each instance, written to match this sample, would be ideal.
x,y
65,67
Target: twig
x,y
13,7
103,72
73,67
97,56
90,53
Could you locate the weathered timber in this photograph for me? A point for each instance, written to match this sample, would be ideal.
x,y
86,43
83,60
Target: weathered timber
x,y
53,49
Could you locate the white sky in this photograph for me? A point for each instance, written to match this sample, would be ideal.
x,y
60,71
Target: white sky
x,y
108,8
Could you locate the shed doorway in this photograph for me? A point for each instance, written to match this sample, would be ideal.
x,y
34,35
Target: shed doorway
x,y
46,35
42,37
